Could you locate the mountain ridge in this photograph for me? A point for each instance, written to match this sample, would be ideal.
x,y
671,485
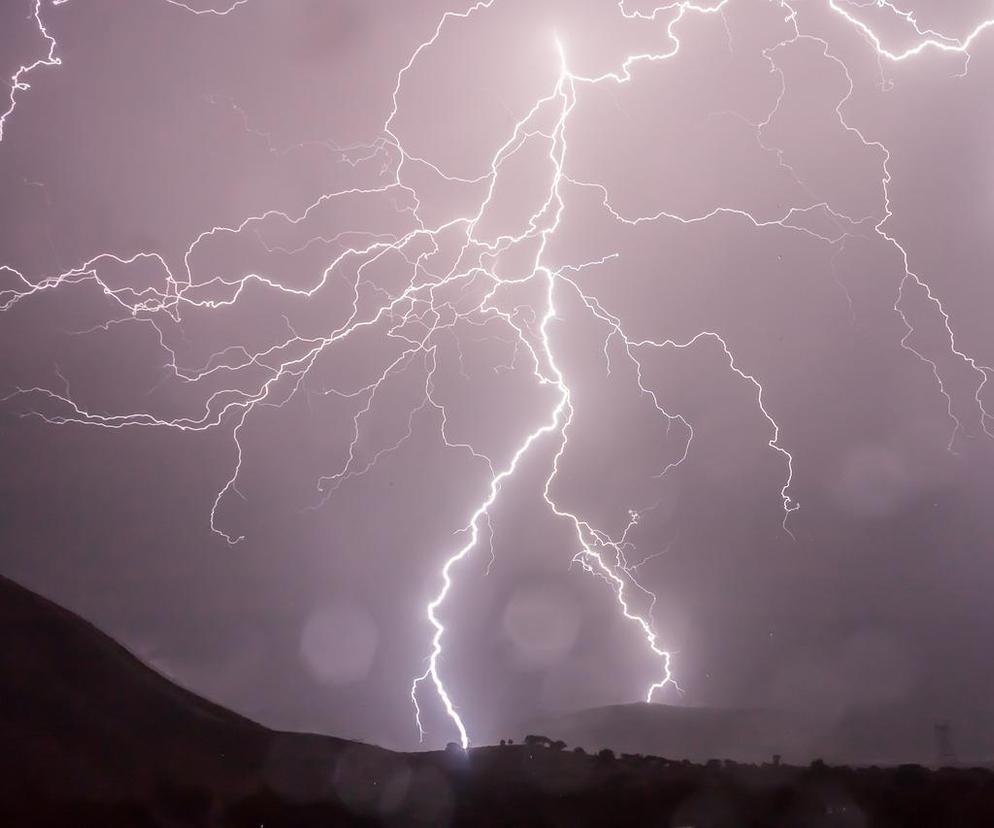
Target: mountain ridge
x,y
868,735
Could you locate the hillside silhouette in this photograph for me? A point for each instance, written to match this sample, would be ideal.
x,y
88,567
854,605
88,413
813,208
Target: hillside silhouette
x,y
83,718
93,737
877,734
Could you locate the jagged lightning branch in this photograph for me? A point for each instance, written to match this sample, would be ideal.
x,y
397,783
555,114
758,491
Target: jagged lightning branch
x,y
19,84
929,40
17,81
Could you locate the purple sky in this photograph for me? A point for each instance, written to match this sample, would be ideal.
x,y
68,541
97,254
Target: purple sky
x,y
262,283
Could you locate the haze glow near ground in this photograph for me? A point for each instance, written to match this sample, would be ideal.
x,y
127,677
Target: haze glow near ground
x,y
652,287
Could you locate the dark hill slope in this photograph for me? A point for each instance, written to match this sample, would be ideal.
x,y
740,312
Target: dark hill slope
x,y
81,715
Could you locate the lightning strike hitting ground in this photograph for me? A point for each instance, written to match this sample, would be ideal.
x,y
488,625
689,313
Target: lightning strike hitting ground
x,y
429,307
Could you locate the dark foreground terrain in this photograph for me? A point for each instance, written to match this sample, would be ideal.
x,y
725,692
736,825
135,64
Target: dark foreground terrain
x,y
869,734
92,737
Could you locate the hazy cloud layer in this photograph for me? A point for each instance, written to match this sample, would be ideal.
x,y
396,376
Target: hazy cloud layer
x,y
161,124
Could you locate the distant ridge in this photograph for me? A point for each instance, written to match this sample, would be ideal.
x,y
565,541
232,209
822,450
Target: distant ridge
x,y
885,735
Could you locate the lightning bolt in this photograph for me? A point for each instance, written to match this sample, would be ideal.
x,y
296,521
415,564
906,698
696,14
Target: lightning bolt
x,y
18,83
435,302
221,12
928,40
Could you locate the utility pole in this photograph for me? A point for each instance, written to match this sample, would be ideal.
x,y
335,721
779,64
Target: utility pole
x,y
945,754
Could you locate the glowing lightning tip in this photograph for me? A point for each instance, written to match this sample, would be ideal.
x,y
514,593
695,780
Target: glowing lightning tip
x,y
560,49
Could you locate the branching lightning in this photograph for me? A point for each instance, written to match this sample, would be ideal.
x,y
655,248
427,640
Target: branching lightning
x,y
18,83
425,314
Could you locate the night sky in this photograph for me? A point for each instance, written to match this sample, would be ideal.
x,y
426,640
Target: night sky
x,y
291,291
